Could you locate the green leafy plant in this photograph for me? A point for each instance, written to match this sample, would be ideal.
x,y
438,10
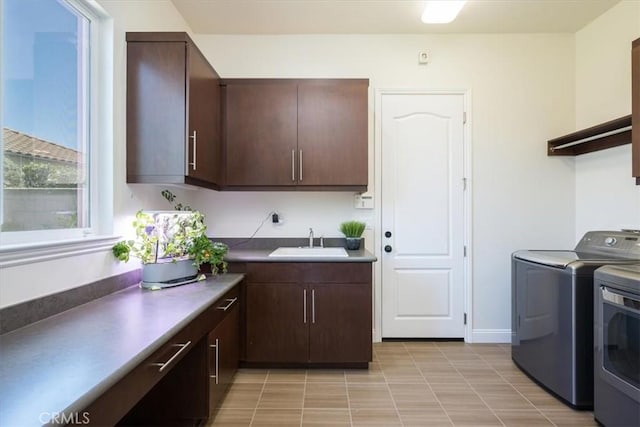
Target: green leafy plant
x,y
172,235
121,250
353,229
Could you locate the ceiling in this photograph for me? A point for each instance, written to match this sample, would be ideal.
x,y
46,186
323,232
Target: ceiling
x,y
385,16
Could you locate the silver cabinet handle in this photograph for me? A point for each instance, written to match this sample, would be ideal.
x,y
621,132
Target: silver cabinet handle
x,y
300,166
313,306
293,165
163,366
217,347
195,142
230,301
304,306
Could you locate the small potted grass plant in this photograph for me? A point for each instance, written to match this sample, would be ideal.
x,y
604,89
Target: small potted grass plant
x,y
352,231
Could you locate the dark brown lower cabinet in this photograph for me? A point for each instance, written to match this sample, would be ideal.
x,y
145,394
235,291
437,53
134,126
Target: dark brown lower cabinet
x,y
224,352
340,329
276,330
308,313
192,381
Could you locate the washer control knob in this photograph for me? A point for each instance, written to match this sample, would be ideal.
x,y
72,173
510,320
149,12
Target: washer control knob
x,y
610,241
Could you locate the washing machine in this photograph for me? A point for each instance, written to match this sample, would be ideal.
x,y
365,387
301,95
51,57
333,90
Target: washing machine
x,y
552,311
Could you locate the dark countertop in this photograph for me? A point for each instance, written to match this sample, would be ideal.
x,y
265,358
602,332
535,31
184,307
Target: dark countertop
x,y
63,363
258,250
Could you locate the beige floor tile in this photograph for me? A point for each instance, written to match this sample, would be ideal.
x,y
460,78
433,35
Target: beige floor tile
x,y
473,418
444,379
231,417
452,400
540,398
375,417
487,378
570,417
429,416
326,395
452,387
242,396
282,395
410,396
277,417
287,376
466,385
516,378
513,402
372,375
492,389
526,418
326,417
327,375
251,376
369,396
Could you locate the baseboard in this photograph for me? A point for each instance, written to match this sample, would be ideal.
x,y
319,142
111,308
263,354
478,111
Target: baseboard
x,y
496,336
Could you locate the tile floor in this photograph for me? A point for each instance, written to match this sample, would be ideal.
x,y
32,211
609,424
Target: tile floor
x,y
407,384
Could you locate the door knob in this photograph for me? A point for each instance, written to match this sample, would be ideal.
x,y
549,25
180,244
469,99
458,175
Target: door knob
x,y
388,248
387,234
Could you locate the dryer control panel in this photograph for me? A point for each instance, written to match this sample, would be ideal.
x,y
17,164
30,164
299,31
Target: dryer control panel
x,y
624,244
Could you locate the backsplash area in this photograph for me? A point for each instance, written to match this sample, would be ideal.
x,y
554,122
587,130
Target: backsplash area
x,y
22,314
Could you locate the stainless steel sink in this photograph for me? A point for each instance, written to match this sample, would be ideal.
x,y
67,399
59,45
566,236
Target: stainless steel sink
x,y
306,252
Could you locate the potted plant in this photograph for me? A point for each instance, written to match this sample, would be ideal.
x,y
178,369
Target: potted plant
x,y
172,246
353,230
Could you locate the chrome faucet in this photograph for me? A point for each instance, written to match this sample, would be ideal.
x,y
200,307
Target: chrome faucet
x,y
310,237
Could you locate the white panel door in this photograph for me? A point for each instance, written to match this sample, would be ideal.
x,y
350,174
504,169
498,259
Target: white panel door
x,y
422,215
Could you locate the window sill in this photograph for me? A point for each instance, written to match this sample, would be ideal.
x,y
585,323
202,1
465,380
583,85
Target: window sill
x,y
14,255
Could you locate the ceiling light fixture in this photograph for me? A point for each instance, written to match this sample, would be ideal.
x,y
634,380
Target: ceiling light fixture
x,y
441,11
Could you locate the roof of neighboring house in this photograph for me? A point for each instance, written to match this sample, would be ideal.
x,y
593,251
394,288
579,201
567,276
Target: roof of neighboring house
x,y
20,143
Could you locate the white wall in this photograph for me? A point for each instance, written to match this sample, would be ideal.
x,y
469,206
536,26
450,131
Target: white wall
x,y
33,280
606,195
522,95
522,89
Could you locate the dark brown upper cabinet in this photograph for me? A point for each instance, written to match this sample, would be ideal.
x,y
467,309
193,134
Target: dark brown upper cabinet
x,y
173,112
296,134
635,110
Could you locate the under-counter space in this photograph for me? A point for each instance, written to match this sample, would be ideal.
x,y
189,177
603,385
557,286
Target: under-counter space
x,y
62,364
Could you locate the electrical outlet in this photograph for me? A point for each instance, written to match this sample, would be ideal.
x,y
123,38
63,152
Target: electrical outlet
x,y
423,58
276,218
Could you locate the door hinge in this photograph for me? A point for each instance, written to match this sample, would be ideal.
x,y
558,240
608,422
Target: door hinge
x,y
464,117
465,318
464,249
464,184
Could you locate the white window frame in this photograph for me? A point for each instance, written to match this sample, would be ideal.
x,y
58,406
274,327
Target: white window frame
x,y
31,246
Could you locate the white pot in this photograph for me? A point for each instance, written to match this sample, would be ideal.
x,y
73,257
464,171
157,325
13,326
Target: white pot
x,y
169,273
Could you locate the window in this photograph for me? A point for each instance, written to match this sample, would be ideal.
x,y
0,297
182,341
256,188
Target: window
x,y
49,141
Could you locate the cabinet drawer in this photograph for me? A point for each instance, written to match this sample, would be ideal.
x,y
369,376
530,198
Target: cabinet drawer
x,y
223,306
336,272
281,272
118,400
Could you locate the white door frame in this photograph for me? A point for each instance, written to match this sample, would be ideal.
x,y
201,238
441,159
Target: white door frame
x,y
377,160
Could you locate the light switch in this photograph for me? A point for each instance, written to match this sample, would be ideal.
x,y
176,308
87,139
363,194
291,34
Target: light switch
x,y
363,201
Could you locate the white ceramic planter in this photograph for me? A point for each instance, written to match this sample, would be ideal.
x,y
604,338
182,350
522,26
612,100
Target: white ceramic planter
x,y
169,273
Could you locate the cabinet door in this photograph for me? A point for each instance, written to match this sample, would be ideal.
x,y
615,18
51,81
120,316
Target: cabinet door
x,y
333,133
224,351
204,134
340,329
156,97
277,322
261,133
